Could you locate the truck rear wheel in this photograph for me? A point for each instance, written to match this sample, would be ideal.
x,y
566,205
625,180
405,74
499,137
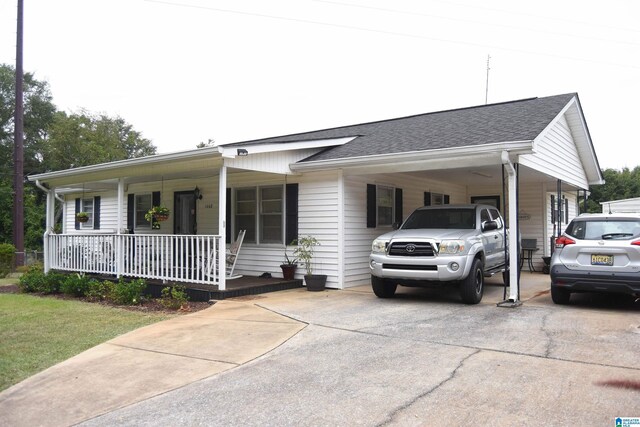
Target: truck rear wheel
x,y
383,288
472,287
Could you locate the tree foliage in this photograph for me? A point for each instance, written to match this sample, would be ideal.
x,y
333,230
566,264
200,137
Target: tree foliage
x,y
83,139
53,140
619,184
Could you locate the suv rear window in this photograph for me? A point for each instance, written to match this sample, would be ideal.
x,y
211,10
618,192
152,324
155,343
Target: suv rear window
x,y
441,218
605,229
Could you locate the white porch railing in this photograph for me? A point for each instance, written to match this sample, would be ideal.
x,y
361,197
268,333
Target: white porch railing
x,y
176,258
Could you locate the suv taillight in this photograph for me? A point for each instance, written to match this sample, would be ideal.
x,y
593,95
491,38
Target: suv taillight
x,y
636,242
563,241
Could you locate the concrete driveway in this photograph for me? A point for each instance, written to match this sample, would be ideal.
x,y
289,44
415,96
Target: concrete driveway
x,y
419,359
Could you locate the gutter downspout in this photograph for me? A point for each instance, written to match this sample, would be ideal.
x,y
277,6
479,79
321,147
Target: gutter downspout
x,y
514,285
48,223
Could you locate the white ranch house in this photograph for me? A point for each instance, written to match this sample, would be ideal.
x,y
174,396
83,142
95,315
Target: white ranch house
x,y
344,186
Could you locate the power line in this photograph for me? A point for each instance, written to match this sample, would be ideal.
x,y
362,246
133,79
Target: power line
x,y
386,32
471,21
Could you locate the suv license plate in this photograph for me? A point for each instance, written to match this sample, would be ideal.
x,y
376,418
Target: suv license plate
x,y
601,259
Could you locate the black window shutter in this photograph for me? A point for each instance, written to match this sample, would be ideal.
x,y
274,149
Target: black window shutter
x,y
96,213
291,219
228,217
553,209
446,199
566,211
398,202
371,206
427,198
78,201
155,198
131,212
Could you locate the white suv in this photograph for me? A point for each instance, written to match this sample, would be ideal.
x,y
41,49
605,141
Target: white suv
x,y
597,253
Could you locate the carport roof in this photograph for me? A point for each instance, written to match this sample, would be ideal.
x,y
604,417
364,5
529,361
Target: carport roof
x,y
521,120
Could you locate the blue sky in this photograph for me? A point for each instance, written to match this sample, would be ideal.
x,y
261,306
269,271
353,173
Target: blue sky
x,y
182,72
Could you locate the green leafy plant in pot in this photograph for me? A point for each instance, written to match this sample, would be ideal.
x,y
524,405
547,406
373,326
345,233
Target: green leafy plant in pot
x,y
289,265
304,253
82,217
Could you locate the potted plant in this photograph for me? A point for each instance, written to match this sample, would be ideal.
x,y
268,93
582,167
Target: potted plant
x,y
304,252
289,265
158,213
82,217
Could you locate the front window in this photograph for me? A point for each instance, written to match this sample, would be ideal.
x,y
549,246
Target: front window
x,y
271,214
142,206
384,203
87,206
260,211
441,218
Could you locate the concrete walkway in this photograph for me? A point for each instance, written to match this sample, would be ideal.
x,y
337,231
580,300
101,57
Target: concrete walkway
x,y
145,363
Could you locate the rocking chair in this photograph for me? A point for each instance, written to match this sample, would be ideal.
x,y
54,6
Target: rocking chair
x,y
232,256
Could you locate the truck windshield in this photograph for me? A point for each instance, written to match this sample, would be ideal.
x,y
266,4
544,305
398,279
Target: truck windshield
x,y
441,218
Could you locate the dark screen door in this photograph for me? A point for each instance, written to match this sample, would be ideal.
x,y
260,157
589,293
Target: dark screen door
x,y
185,213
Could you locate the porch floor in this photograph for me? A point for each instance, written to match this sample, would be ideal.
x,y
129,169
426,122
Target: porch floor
x,y
245,285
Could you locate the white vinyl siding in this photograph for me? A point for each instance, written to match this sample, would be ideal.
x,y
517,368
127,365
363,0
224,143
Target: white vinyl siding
x,y
557,156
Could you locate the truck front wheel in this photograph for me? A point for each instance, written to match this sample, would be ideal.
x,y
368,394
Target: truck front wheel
x,y
383,288
472,287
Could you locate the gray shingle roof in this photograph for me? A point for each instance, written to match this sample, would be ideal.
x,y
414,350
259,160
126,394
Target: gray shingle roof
x,y
520,120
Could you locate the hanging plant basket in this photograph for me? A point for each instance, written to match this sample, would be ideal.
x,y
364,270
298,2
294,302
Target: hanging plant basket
x,y
82,217
157,213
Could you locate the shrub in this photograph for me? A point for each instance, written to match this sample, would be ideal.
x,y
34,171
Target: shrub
x,y
53,281
174,297
100,291
33,280
128,293
76,285
7,259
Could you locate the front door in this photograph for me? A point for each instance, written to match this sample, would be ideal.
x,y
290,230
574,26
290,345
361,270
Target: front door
x,y
184,207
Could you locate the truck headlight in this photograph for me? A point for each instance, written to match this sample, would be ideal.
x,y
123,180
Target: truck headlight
x,y
379,246
451,247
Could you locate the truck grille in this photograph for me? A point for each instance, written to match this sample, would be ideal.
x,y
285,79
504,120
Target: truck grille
x,y
411,249
410,267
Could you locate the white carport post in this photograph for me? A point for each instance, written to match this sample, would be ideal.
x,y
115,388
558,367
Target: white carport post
x,y
222,227
514,286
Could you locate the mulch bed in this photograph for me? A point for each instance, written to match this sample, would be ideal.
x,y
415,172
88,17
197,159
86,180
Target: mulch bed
x,y
148,305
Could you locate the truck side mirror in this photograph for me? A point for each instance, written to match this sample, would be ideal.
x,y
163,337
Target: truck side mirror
x,y
489,225
396,225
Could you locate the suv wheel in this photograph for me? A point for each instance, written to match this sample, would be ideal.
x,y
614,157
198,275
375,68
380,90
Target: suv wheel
x,y
383,288
472,287
560,296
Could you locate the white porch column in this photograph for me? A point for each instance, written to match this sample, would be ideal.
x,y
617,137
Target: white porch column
x,y
49,224
514,286
120,225
222,228
120,205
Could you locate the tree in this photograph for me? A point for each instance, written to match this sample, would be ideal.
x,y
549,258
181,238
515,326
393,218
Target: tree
x,y
619,184
82,139
38,115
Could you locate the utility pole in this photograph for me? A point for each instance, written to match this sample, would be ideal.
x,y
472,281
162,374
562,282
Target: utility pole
x,y
18,153
486,91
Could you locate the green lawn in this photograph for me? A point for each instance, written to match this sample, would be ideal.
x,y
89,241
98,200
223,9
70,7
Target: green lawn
x,y
37,332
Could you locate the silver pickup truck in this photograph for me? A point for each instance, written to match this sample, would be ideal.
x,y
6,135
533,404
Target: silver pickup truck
x,y
446,244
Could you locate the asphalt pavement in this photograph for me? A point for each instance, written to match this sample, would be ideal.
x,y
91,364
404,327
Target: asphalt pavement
x,y
298,358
